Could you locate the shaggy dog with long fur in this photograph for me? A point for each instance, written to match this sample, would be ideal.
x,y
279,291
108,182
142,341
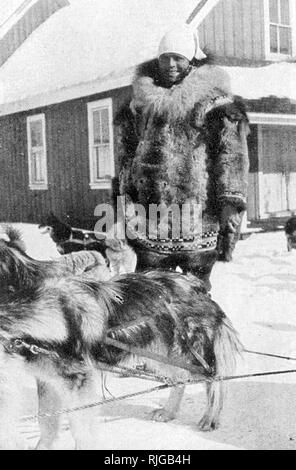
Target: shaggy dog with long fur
x,y
72,318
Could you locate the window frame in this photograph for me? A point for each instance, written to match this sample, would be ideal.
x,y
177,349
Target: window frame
x,y
276,56
34,185
102,183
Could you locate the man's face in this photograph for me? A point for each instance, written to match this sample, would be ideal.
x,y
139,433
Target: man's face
x,y
173,67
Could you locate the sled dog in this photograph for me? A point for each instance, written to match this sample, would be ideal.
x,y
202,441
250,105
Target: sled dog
x,y
71,318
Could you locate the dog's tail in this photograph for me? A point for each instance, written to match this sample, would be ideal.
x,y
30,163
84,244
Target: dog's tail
x,y
227,348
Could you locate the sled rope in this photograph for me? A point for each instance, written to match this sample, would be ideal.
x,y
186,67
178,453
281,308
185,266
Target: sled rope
x,y
155,389
138,372
13,346
269,355
89,232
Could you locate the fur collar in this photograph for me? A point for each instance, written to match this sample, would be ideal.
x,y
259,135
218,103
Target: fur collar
x,y
199,87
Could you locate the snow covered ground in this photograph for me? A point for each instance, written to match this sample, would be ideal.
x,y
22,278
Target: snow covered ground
x,y
258,292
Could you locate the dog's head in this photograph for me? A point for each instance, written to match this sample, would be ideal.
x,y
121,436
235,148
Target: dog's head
x,y
59,231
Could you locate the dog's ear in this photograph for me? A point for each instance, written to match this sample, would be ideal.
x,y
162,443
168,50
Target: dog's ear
x,y
43,221
15,238
55,221
51,218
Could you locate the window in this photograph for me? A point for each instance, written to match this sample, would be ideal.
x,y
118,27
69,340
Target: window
x,y
101,156
37,152
280,28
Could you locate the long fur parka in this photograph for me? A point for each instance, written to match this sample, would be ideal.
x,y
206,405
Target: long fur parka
x,y
186,143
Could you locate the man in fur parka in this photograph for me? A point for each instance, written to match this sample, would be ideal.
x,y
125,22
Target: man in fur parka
x,y
184,142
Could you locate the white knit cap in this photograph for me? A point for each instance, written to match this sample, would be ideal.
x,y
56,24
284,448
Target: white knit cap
x,y
182,41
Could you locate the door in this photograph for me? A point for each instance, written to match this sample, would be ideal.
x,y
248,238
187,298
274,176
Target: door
x,y
277,170
289,148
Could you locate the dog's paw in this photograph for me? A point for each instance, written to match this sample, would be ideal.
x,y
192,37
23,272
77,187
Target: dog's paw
x,y
56,444
206,426
161,415
46,445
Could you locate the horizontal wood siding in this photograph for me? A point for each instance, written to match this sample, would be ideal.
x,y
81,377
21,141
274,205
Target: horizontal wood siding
x,y
67,161
33,18
235,29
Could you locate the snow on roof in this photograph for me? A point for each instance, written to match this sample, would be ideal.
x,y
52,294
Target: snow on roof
x,y
277,79
91,46
87,41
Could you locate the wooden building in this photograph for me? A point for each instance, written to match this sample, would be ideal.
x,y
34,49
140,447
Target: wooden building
x,y
60,91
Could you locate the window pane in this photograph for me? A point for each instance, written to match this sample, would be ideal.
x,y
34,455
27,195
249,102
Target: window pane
x,y
102,158
101,126
97,126
101,140
34,167
273,11
36,162
105,125
273,39
285,13
36,134
285,41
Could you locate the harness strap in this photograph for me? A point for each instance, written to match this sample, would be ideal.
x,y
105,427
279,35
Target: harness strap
x,y
129,324
155,357
146,318
16,345
78,242
197,356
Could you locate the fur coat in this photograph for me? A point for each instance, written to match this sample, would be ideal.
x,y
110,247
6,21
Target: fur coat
x,y
185,143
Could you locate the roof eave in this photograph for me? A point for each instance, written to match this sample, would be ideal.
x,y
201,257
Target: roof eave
x,y
66,94
93,87
201,12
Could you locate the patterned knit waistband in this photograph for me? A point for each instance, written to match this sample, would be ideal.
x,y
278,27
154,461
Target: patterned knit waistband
x,y
207,241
